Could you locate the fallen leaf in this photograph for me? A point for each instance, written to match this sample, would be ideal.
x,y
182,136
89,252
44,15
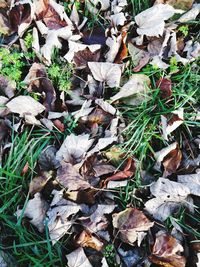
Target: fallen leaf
x,y
158,63
58,222
38,81
123,50
172,161
130,224
191,14
106,72
3,109
81,58
192,181
74,148
7,87
169,197
129,170
165,86
102,144
47,159
35,210
77,258
166,251
38,182
25,105
75,47
86,239
171,122
140,57
118,19
70,178
136,88
21,16
97,220
151,22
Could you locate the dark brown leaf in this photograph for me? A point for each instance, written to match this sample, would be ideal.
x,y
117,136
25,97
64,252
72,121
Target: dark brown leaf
x,y
38,183
172,161
123,50
165,86
82,57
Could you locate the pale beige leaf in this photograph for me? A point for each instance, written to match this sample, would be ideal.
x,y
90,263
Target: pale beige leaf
x,y
192,181
25,105
77,258
106,72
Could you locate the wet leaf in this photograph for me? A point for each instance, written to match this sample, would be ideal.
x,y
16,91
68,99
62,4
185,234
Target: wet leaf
x,y
131,223
166,251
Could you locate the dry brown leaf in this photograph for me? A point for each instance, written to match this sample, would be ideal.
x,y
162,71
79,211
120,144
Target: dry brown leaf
x,y
123,50
38,182
165,86
81,58
35,210
77,258
166,251
131,223
70,178
172,161
129,170
86,239
38,81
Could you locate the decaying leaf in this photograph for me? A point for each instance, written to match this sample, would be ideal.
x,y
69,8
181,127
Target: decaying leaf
x,y
74,148
35,210
86,239
192,181
25,106
131,223
7,88
47,159
69,178
151,22
172,122
166,251
169,196
134,90
106,72
77,258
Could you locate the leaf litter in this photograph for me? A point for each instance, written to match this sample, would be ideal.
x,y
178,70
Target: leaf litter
x,y
80,176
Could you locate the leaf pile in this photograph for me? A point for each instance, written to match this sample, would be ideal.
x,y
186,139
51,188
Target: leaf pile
x,y
81,173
